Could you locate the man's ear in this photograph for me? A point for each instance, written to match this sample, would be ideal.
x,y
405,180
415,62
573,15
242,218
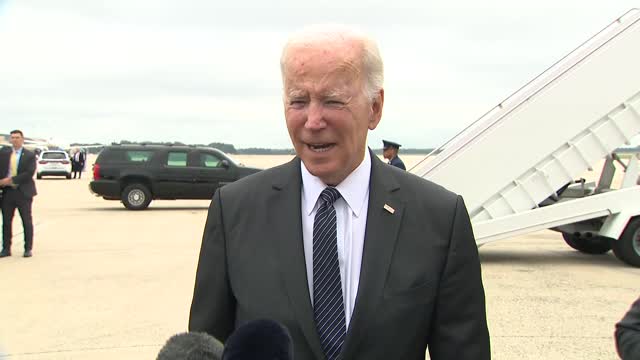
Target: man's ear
x,y
376,110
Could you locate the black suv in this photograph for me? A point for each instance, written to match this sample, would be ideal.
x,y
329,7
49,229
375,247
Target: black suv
x,y
136,174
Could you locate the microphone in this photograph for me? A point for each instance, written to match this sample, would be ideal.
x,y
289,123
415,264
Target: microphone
x,y
259,340
191,346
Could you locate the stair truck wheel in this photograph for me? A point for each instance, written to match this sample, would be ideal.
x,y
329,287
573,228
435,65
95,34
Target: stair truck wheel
x,y
627,248
594,245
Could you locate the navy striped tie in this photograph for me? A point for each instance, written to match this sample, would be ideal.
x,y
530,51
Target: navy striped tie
x,y
328,302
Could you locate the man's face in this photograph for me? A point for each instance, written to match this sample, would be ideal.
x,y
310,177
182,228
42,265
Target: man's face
x,y
388,153
327,112
16,140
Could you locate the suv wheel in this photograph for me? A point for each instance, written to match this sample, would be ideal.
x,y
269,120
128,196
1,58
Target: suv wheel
x,y
627,248
136,197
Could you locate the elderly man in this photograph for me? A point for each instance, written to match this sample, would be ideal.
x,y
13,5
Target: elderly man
x,y
356,259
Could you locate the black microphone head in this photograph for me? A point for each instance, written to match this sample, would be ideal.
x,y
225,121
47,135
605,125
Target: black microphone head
x,y
191,346
257,340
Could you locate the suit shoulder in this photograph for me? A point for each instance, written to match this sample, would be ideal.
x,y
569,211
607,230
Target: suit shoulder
x,y
28,153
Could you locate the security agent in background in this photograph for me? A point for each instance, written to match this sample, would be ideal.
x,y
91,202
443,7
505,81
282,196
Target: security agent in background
x,y
390,152
19,190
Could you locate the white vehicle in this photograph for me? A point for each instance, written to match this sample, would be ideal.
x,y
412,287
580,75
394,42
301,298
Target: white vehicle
x,y
535,144
54,162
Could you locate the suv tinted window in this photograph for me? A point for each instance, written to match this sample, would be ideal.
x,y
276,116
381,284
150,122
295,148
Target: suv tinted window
x,y
125,156
209,160
110,155
138,155
176,158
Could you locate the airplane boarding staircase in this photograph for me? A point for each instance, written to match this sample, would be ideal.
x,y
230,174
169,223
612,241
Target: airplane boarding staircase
x,y
517,166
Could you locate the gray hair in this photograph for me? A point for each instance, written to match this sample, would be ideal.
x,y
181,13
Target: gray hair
x,y
371,60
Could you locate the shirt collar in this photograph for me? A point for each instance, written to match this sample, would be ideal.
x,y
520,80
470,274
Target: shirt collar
x,y
354,189
18,151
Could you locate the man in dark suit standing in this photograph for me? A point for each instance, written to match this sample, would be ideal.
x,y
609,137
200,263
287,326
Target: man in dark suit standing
x,y
390,152
19,190
77,163
359,260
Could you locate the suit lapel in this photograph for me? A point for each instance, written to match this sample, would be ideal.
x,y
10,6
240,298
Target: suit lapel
x,y
380,238
21,160
286,220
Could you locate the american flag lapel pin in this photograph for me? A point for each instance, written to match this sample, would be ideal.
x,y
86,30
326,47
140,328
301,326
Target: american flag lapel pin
x,y
389,208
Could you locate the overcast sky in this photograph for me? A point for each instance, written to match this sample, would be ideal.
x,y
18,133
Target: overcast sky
x,y
200,71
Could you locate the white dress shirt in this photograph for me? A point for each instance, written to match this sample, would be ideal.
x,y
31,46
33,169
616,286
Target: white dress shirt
x,y
351,218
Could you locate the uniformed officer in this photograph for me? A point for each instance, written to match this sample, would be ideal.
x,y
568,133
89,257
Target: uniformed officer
x,y
390,152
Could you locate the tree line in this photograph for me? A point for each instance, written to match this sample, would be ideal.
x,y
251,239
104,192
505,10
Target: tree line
x,y
226,148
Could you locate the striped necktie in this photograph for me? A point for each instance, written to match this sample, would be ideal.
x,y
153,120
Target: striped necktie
x,y
328,300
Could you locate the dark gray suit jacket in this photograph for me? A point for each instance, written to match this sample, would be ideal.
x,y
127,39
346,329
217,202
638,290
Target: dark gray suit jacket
x,y
628,333
26,170
5,158
420,282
